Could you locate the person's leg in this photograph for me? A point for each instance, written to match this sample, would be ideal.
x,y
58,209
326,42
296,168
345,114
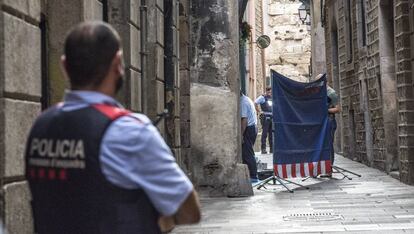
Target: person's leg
x,y
249,138
270,132
265,130
331,148
333,129
253,136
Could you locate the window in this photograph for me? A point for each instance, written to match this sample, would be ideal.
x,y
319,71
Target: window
x,y
363,23
348,31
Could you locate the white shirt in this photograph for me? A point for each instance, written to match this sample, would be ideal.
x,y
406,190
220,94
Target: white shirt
x,y
247,110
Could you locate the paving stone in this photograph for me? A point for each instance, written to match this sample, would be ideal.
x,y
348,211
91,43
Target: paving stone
x,y
404,216
373,203
362,227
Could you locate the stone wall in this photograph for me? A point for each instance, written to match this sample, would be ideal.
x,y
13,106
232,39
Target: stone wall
x,y
20,94
318,39
163,70
290,49
214,91
184,84
153,78
32,34
59,17
172,76
348,71
405,88
260,53
254,56
125,17
368,52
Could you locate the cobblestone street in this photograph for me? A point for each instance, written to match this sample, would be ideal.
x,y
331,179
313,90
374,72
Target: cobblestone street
x,y
374,203
107,106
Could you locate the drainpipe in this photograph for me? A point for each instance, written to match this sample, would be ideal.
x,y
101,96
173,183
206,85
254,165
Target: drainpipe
x,y
242,61
144,53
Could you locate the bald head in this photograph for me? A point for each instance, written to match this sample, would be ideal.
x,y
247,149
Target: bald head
x,y
318,76
89,50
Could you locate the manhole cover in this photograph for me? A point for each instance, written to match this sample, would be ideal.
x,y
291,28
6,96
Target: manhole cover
x,y
325,216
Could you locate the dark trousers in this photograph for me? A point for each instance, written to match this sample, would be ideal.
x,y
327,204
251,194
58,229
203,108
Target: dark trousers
x,y
249,137
267,133
332,124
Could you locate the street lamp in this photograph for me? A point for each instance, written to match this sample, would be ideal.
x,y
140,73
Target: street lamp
x,y
303,11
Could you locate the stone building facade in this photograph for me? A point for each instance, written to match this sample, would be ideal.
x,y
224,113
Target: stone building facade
x,y
174,59
255,56
290,49
262,82
214,99
318,60
369,57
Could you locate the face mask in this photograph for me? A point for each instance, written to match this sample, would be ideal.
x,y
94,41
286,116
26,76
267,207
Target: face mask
x,y
120,81
119,84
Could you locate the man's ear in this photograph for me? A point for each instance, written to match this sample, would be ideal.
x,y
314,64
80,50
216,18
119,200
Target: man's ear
x,y
63,67
119,61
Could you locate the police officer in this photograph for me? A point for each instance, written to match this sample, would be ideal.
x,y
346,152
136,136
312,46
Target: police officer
x,y
249,133
333,108
95,167
265,102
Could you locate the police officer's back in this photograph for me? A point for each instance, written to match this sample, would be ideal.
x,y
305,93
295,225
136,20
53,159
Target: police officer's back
x,y
94,167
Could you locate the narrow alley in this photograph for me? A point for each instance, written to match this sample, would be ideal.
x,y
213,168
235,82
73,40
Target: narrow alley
x,y
374,203
122,116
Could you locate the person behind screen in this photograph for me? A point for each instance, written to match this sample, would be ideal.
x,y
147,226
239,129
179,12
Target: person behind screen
x,y
333,109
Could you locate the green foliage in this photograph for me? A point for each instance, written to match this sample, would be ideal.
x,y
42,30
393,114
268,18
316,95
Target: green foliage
x,y
245,31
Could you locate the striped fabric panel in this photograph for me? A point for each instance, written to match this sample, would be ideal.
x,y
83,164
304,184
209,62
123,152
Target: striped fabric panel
x,y
302,169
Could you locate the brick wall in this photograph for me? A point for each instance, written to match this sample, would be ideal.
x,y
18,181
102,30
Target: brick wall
x,y
184,83
376,85
329,42
373,76
351,118
125,17
356,116
357,63
260,73
153,79
405,92
172,76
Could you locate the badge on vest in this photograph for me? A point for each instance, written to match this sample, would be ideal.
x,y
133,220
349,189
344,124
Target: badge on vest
x,y
62,153
269,102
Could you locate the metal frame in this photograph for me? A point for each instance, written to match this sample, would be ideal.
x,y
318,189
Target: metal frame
x,y
281,181
340,170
